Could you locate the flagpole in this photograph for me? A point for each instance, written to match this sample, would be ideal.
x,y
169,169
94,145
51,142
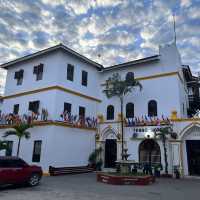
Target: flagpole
x,y
174,20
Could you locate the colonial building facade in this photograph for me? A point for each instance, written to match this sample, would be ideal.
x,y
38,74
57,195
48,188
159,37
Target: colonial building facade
x,y
60,91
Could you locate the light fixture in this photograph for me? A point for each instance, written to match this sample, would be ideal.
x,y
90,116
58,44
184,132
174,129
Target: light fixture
x,y
149,134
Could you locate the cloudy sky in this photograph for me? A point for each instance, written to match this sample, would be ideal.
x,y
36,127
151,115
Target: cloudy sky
x,y
118,30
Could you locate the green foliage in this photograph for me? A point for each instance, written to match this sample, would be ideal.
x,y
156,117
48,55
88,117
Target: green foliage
x,y
20,130
95,158
3,145
115,86
163,132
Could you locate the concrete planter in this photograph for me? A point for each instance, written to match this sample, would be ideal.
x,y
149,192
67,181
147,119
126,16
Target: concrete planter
x,y
125,180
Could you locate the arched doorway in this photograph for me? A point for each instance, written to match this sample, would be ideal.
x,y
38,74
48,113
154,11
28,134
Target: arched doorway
x,y
149,152
191,150
110,153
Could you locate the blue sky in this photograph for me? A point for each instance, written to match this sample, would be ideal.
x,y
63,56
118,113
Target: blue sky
x,y
118,30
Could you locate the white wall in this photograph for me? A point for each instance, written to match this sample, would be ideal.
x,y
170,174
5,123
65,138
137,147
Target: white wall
x,y
61,146
76,101
46,98
54,73
70,147
51,67
165,90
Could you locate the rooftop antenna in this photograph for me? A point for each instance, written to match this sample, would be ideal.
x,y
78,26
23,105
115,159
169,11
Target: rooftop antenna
x,y
174,20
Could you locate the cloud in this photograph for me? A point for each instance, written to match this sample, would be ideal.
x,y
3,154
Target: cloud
x,y
118,30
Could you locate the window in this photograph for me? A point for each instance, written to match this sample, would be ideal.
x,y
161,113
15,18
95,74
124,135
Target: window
x,y
84,78
19,76
110,112
38,71
152,108
70,72
37,151
9,148
81,111
12,163
34,106
67,107
16,109
129,110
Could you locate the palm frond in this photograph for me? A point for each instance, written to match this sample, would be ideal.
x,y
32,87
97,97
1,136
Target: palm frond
x,y
9,133
27,134
3,145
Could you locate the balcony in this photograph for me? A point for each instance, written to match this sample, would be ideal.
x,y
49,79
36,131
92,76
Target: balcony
x,y
146,121
66,119
193,98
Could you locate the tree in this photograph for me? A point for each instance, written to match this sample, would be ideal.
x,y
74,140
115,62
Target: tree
x,y
3,145
116,87
20,130
163,133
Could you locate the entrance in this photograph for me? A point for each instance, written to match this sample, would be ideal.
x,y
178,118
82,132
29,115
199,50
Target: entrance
x,y
110,153
149,152
193,156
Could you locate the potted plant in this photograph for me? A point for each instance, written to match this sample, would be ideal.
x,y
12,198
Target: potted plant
x,y
92,160
157,169
99,164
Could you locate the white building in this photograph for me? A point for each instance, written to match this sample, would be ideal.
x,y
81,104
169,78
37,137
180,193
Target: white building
x,y
57,79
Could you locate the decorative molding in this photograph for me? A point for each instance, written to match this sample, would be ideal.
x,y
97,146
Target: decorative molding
x,y
52,88
157,76
45,173
185,130
186,120
51,123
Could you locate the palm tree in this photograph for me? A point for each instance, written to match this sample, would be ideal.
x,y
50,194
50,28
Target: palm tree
x,y
163,133
20,130
116,87
3,145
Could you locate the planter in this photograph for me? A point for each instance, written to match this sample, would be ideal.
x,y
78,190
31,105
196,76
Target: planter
x,y
125,180
157,173
167,176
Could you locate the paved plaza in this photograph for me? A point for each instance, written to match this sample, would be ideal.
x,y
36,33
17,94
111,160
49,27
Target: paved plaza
x,y
84,186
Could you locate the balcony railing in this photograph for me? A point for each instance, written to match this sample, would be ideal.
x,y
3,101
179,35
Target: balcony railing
x,y
147,121
31,117
193,98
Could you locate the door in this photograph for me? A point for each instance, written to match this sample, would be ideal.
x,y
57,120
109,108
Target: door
x,y
193,156
110,153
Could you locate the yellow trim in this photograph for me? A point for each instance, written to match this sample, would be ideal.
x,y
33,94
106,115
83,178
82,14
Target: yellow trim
x,y
157,76
46,174
54,123
52,88
186,120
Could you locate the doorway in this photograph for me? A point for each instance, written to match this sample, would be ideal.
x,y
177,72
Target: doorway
x,y
110,153
149,152
193,157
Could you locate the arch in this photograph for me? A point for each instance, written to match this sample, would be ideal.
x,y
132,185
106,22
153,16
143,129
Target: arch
x,y
152,108
149,152
188,129
110,112
130,110
108,133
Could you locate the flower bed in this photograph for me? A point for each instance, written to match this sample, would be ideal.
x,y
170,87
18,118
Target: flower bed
x,y
119,179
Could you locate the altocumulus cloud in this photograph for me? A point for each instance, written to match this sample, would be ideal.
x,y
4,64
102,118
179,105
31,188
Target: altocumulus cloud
x,y
118,30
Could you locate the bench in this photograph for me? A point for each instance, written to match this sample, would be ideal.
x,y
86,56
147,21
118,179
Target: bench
x,y
55,171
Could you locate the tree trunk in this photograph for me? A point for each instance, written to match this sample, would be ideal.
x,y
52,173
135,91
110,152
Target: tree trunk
x,y
122,126
18,146
165,154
